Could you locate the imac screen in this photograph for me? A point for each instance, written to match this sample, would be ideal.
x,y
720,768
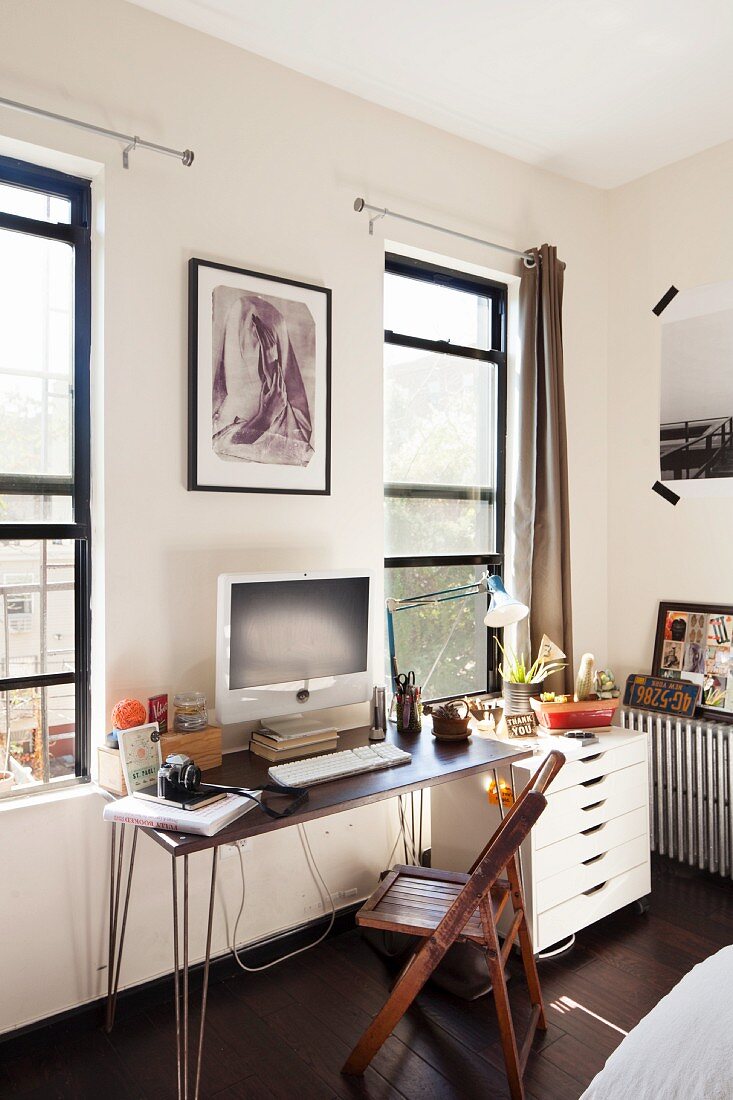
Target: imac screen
x,y
285,632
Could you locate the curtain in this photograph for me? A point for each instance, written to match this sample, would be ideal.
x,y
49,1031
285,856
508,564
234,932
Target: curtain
x,y
540,534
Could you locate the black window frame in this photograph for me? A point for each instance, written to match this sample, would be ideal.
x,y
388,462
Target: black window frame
x,y
497,293
76,233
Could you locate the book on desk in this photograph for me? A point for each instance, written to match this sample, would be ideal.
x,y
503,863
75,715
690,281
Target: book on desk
x,y
289,739
206,821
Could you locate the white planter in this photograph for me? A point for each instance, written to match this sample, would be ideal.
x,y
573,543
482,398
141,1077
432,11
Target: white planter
x,y
7,779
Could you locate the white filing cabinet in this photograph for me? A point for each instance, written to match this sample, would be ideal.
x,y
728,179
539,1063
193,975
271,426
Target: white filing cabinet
x,y
588,854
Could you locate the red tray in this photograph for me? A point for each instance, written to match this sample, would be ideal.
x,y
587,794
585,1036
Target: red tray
x,y
568,716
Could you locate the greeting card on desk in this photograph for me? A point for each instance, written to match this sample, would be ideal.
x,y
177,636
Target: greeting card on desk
x,y
140,755
206,822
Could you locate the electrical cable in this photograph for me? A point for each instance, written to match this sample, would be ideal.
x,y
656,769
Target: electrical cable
x,y
420,849
317,878
410,856
551,952
394,848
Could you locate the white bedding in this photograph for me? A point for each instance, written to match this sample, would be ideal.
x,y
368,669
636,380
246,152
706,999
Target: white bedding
x,y
683,1050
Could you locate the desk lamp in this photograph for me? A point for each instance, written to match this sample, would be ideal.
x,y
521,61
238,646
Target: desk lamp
x,y
504,609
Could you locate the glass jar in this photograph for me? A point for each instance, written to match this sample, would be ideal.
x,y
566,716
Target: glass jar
x,y
189,712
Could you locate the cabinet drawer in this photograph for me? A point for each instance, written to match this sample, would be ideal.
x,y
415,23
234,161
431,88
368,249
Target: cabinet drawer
x,y
598,762
585,805
585,876
578,912
574,850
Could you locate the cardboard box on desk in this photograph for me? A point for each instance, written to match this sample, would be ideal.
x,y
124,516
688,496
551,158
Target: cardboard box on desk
x,y
109,770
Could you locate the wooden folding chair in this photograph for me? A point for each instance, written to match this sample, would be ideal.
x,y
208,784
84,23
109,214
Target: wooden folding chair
x,y
445,907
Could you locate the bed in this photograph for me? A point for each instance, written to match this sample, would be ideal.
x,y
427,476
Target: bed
x,y
683,1050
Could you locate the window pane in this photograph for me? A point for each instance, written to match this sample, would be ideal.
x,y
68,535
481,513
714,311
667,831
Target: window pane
x,y
36,355
446,643
27,509
428,527
34,204
440,418
36,617
37,735
413,307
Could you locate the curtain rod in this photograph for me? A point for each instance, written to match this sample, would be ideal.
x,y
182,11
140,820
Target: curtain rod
x,y
133,142
383,212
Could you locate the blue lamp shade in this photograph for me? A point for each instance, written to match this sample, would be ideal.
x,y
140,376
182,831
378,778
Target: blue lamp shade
x,y
503,609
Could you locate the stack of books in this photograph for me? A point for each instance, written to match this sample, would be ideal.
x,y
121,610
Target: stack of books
x,y
206,821
289,738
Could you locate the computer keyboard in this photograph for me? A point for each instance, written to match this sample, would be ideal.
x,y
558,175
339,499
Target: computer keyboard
x,y
337,765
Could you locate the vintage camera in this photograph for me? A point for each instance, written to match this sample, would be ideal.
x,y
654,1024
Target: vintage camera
x,y
178,776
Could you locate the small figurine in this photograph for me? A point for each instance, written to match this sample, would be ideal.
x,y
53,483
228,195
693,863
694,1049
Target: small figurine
x,y
605,684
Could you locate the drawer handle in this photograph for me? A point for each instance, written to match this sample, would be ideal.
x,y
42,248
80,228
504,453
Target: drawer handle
x,y
593,782
594,859
589,759
593,828
593,806
595,889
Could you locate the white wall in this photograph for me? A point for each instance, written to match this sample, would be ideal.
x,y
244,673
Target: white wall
x,y
671,227
279,161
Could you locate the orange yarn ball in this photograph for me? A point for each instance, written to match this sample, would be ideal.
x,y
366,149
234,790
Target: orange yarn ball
x,y
128,713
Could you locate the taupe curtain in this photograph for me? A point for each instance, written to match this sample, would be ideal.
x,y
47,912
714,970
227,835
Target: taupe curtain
x,y
540,535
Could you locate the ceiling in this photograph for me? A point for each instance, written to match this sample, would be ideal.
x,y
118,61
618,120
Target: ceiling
x,y
602,91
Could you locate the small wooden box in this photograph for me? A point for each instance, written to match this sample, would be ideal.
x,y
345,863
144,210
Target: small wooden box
x,y
109,767
203,746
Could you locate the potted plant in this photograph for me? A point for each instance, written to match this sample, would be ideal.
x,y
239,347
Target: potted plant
x,y
449,724
522,682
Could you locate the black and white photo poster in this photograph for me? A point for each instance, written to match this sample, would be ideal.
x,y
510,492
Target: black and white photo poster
x,y
259,382
696,406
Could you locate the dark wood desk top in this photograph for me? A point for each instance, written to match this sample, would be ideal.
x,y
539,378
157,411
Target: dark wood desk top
x,y
433,762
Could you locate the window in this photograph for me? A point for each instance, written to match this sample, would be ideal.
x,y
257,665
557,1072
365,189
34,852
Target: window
x,y
445,427
45,302
19,602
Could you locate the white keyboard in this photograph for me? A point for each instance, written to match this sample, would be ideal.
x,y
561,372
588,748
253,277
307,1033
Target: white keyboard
x,y
337,765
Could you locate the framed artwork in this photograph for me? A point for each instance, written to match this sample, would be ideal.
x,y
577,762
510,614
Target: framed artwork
x,y
259,418
695,642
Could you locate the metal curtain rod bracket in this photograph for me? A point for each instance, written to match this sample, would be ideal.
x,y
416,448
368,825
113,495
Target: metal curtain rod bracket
x,y
131,140
383,212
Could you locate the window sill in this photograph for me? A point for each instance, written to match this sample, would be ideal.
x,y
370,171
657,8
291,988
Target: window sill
x,y
81,789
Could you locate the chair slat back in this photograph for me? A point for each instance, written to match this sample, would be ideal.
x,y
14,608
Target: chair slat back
x,y
539,782
488,871
502,847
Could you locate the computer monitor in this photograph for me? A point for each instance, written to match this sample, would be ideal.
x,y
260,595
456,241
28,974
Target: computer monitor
x,y
291,642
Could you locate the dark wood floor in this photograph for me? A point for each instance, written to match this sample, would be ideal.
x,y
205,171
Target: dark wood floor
x,y
284,1034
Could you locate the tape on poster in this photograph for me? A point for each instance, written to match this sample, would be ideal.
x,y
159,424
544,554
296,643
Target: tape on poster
x,y
665,493
665,300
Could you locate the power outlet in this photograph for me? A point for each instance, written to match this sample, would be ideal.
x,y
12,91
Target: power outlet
x,y
229,851
338,895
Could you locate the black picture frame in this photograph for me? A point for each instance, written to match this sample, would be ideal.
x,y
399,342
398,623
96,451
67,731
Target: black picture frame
x,y
268,474
671,651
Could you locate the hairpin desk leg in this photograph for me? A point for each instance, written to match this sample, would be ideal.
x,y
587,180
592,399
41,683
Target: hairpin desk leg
x,y
116,944
181,981
176,974
185,978
205,990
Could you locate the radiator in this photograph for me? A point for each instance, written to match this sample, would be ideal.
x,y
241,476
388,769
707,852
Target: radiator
x,y
691,789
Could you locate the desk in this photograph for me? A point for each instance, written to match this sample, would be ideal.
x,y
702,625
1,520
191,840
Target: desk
x,y
433,763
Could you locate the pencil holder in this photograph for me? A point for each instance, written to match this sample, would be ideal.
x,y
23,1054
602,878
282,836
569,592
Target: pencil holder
x,y
409,718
